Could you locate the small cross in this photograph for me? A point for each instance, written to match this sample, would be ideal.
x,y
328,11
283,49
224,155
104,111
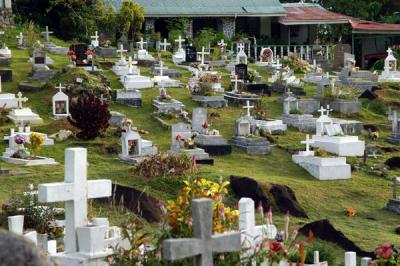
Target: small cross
x,y
122,51
74,191
180,41
307,142
328,110
395,185
164,45
130,64
389,51
322,110
95,37
20,100
60,88
102,98
20,38
202,53
47,34
236,80
161,68
141,43
248,107
203,244
241,47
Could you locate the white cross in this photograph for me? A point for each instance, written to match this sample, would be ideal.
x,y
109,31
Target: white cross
x,y
20,38
252,234
141,43
20,100
389,51
47,34
164,45
74,191
241,47
130,64
180,41
95,37
328,110
204,243
161,68
122,51
236,80
202,53
307,142
102,98
60,87
248,107
322,110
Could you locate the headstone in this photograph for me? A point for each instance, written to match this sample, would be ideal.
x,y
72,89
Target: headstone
x,y
339,52
241,71
60,103
350,259
199,117
191,54
204,244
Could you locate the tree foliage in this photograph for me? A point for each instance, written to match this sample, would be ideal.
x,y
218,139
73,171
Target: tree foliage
x,y
130,19
89,115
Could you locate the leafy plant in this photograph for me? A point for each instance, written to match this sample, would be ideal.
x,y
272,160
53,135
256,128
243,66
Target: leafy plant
x,y
89,115
321,153
36,140
130,19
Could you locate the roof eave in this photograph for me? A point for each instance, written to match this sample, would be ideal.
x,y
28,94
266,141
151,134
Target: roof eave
x,y
377,32
314,22
216,15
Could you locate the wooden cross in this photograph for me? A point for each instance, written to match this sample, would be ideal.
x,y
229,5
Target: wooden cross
x,y
122,51
180,41
164,45
141,43
74,191
20,100
307,142
203,244
47,34
203,53
395,185
248,107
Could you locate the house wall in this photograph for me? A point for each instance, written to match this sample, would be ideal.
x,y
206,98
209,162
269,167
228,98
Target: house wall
x,y
265,27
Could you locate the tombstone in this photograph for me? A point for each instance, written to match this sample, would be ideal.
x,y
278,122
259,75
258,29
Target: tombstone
x,y
60,104
95,40
242,127
241,71
131,143
394,138
390,73
203,244
182,130
39,57
350,259
241,57
339,55
394,203
6,75
199,117
191,54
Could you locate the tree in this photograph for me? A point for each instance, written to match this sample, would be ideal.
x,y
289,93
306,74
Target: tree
x,y
130,19
89,115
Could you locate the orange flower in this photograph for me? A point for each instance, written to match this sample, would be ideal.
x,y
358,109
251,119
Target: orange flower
x,y
351,212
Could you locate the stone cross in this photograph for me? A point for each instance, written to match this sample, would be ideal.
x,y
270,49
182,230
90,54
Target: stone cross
x,y
395,185
248,107
389,51
122,51
236,80
307,142
20,38
161,68
252,234
322,110
47,34
180,41
328,110
203,244
241,47
20,100
74,191
203,53
141,43
60,88
95,38
164,45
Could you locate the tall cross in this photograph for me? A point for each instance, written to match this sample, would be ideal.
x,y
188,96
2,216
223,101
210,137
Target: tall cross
x,y
74,191
322,110
20,38
47,34
202,53
203,244
164,45
130,64
248,107
180,41
161,68
307,142
122,51
20,100
60,87
141,43
236,80
395,185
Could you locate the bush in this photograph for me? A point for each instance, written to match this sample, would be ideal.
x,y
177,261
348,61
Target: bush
x,y
89,115
378,65
206,37
325,253
164,165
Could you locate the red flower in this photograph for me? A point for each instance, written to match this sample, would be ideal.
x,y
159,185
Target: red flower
x,y
178,137
205,125
276,246
71,53
379,251
89,52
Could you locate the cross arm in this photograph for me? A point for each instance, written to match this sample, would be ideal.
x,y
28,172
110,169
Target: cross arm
x,y
175,249
227,242
99,188
55,192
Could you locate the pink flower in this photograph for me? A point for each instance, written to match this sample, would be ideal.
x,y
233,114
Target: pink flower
x,y
386,245
379,251
276,246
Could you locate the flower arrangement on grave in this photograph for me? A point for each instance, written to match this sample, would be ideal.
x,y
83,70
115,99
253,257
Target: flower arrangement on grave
x,y
22,152
36,140
387,255
89,53
72,55
298,65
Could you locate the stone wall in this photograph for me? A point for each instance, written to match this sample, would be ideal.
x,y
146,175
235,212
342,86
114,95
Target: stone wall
x,y
228,27
6,18
149,25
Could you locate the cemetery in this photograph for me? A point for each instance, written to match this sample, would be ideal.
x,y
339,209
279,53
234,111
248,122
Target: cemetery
x,y
175,132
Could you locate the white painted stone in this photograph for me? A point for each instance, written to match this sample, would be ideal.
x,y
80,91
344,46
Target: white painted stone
x,y
60,102
16,224
350,259
390,73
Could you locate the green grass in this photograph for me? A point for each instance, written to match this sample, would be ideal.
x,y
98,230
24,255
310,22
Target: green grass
x,y
365,193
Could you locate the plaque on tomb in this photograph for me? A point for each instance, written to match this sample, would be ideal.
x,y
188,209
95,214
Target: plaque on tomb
x,y
39,57
241,71
191,54
340,50
6,75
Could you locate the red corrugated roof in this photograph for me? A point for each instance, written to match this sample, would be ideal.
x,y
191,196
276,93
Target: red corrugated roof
x,y
369,26
311,14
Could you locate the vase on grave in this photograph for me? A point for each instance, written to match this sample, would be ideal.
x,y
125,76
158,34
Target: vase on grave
x,y
91,239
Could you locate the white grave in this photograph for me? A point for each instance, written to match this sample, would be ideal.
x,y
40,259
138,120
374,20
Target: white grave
x,y
142,53
390,73
241,57
165,81
180,55
134,80
60,103
95,40
23,115
121,67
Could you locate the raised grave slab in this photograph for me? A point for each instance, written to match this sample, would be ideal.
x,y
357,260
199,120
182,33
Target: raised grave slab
x,y
210,101
252,145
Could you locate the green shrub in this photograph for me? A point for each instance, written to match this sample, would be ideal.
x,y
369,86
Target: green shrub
x,y
325,253
378,65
